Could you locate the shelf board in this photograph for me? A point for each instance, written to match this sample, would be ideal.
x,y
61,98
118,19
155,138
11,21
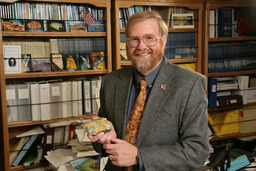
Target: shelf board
x,y
55,74
241,38
231,136
52,34
126,63
122,30
21,167
217,110
184,60
176,61
219,74
29,123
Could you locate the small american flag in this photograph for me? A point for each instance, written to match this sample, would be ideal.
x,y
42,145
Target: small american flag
x,y
88,17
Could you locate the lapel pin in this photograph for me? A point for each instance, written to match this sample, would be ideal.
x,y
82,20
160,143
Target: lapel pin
x,y
163,87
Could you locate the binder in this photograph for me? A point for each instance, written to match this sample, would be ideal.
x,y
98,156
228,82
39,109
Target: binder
x,y
23,102
45,101
64,105
74,94
95,88
48,139
24,150
55,98
69,99
87,97
212,93
94,92
11,103
243,82
79,97
35,101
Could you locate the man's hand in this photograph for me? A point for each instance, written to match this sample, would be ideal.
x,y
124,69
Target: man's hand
x,y
103,138
122,153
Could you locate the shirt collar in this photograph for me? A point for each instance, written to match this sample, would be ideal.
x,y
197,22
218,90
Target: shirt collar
x,y
150,77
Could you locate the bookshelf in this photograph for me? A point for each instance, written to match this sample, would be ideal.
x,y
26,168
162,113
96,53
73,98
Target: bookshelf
x,y
163,6
10,129
228,36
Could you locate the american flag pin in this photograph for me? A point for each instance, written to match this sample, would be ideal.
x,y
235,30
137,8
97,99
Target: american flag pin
x,y
163,87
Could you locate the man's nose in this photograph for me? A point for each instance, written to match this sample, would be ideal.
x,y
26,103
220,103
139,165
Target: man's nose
x,y
141,45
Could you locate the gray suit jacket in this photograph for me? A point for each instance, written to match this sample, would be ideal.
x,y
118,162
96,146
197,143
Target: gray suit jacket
x,y
173,130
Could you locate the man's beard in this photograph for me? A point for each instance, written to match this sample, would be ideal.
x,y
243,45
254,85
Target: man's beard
x,y
143,65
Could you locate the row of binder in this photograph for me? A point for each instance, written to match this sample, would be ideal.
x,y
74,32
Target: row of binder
x,y
53,99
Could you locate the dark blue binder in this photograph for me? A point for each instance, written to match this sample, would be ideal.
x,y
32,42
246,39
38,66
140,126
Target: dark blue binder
x,y
212,92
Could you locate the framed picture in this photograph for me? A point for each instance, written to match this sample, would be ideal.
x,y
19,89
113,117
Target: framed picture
x,y
34,25
182,21
77,26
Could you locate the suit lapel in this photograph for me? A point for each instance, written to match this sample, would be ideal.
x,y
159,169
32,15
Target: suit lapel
x,y
161,89
122,92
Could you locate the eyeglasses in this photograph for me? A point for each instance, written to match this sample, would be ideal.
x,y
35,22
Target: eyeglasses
x,y
149,40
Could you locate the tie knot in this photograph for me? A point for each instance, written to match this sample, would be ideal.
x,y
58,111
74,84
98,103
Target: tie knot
x,y
143,83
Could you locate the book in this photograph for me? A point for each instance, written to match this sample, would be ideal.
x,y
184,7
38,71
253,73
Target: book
x,y
211,24
26,63
25,149
77,26
13,25
57,62
34,25
98,60
17,147
56,26
166,15
12,58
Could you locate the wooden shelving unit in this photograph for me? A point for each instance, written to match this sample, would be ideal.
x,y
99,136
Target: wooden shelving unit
x,y
212,5
196,5
10,130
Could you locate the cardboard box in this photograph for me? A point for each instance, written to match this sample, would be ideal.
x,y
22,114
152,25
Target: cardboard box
x,y
247,120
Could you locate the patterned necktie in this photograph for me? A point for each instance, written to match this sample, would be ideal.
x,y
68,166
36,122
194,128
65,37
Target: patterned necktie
x,y
136,114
